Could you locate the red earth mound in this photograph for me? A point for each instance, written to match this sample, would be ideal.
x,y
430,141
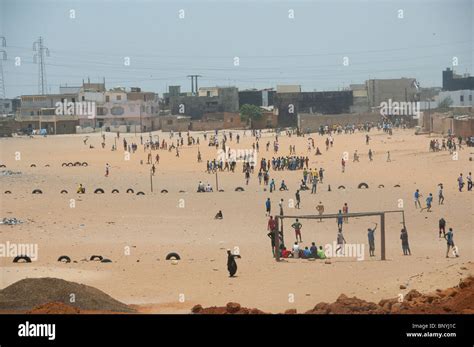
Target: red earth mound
x,y
459,299
54,308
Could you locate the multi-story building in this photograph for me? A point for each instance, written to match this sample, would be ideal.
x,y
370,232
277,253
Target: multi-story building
x,y
397,89
453,81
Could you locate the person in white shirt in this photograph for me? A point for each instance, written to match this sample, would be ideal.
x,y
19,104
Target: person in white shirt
x,y
296,250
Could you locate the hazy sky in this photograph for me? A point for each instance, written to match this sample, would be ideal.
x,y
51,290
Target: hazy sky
x,y
272,48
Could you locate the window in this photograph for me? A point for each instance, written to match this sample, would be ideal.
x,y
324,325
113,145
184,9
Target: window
x,y
83,98
107,98
119,97
169,121
470,97
461,98
73,99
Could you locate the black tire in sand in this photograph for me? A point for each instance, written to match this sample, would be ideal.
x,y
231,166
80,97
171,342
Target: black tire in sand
x,y
96,257
22,257
106,260
239,189
164,191
173,255
130,191
341,187
7,192
64,191
85,164
363,185
140,193
64,259
115,191
32,165
37,191
381,186
99,191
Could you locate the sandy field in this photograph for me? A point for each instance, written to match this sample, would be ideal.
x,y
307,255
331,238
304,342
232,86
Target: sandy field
x,y
152,225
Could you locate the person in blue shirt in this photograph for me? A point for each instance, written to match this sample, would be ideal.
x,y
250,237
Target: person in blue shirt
x,y
339,220
450,243
416,197
429,201
371,238
307,253
268,206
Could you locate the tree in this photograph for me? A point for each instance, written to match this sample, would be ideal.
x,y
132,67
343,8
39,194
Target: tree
x,y
250,112
445,103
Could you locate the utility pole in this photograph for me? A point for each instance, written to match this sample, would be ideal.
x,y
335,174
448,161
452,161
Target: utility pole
x,y
42,52
3,56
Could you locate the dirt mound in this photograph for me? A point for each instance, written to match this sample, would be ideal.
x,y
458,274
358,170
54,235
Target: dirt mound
x,y
54,308
30,293
459,299
230,308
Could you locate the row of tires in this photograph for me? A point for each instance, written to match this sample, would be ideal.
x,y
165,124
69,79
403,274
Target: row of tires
x,y
77,163
364,185
66,259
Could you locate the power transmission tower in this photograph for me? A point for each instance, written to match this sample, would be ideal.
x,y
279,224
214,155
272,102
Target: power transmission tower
x,y
42,51
3,56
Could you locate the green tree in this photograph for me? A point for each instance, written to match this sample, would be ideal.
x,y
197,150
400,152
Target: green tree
x,y
445,103
248,112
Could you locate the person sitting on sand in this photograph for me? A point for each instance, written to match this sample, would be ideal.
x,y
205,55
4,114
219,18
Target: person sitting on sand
x,y
306,253
81,189
321,254
318,152
314,250
201,187
219,215
208,188
286,253
283,186
303,185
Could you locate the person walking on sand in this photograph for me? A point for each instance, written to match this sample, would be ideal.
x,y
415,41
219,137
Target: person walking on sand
x,y
416,196
268,207
469,182
320,209
343,165
404,238
371,238
429,201
340,242
442,227
339,219
298,199
460,182
440,194
345,210
297,226
107,170
280,204
450,243
388,157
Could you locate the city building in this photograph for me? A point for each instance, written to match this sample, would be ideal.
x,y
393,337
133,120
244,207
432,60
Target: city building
x,y
453,81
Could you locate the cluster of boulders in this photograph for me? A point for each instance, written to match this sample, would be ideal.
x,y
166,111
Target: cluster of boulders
x,y
459,299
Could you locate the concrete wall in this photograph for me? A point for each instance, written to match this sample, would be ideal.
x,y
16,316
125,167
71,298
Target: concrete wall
x,y
400,89
312,122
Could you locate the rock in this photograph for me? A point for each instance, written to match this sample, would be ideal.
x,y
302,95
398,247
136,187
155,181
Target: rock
x,y
327,262
290,311
412,294
403,286
196,309
232,307
396,308
450,292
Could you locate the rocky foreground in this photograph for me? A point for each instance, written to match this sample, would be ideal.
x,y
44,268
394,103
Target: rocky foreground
x,y
459,299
